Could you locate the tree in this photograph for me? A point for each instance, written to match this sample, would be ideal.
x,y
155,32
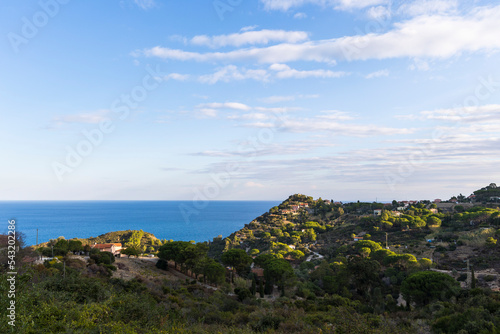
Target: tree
x,y
310,234
213,271
193,254
365,251
135,239
61,246
433,221
364,273
426,286
238,259
174,251
491,241
103,257
425,263
75,245
296,254
131,251
278,271
254,252
372,245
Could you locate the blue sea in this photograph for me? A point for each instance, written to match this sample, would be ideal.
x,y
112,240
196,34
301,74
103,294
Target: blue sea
x,y
177,220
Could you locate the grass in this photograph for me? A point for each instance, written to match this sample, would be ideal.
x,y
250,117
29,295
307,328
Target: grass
x,y
478,237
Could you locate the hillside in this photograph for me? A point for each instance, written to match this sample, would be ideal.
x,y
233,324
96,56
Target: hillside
x,y
306,266
142,241
449,236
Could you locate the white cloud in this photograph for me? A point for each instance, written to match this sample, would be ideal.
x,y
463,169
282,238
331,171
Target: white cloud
x,y
252,184
232,73
437,36
248,28
379,13
420,65
377,74
329,121
176,76
277,99
426,7
336,115
250,38
300,16
486,113
285,72
145,4
225,105
208,112
85,118
338,128
357,4
464,122
286,98
285,5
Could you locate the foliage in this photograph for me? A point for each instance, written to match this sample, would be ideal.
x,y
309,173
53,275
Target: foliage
x,y
426,286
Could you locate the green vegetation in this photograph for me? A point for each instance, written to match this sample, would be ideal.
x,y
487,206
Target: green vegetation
x,y
295,269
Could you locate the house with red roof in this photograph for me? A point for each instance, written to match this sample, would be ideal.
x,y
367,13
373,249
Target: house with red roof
x,y
113,248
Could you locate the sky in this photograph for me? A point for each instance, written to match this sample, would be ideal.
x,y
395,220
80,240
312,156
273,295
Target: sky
x,y
248,100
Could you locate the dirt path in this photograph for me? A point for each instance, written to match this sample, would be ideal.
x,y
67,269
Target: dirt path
x,y
129,268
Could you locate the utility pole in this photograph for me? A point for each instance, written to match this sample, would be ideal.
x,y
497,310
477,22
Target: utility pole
x,y
386,245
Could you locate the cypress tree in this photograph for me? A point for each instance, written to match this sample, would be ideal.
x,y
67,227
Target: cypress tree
x,y
261,288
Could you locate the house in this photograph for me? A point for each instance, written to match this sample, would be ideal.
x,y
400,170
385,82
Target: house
x,y
292,246
494,198
113,248
433,210
396,213
259,272
377,212
295,207
356,238
400,208
285,212
437,200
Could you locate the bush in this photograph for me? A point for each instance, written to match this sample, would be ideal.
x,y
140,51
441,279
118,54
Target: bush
x,y
162,264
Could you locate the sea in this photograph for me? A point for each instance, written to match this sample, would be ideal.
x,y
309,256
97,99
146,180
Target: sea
x,y
176,220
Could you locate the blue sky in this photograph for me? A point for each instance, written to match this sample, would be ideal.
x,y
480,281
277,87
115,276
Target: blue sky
x,y
248,100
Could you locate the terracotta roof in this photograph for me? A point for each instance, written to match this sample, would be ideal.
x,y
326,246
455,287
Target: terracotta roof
x,y
102,246
258,271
